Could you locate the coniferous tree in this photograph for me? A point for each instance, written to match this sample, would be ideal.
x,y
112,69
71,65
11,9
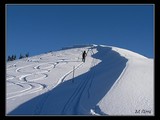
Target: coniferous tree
x,y
12,58
21,56
27,55
9,58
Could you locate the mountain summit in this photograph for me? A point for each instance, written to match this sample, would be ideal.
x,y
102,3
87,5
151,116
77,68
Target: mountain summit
x,y
111,81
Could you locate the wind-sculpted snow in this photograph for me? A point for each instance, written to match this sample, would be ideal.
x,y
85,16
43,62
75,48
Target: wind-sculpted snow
x,y
59,83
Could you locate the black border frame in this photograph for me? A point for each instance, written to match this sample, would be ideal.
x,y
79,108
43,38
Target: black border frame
x,y
3,59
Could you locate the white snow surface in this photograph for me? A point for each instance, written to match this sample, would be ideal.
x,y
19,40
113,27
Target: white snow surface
x,y
112,81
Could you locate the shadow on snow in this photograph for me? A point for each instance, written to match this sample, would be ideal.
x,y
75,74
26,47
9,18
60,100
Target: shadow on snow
x,y
79,95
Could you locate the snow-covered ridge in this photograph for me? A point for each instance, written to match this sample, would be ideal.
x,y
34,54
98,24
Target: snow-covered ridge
x,y
112,81
78,46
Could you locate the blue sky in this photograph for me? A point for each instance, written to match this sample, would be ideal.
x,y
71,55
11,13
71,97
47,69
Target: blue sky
x,y
41,28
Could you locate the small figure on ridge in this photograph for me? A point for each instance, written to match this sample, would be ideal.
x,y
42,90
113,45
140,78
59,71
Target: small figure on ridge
x,y
84,54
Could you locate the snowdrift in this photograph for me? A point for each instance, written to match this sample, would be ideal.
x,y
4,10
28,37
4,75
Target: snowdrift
x,y
112,81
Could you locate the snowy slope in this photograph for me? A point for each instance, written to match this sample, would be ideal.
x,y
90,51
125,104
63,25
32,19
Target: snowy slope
x,y
112,81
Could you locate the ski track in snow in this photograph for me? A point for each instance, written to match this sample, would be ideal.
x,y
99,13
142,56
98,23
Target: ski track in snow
x,y
73,102
42,102
32,73
27,80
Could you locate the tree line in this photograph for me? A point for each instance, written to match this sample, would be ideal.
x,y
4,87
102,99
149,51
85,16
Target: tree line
x,y
13,57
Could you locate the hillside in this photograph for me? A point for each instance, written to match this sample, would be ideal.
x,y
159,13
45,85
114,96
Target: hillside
x,y
112,81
